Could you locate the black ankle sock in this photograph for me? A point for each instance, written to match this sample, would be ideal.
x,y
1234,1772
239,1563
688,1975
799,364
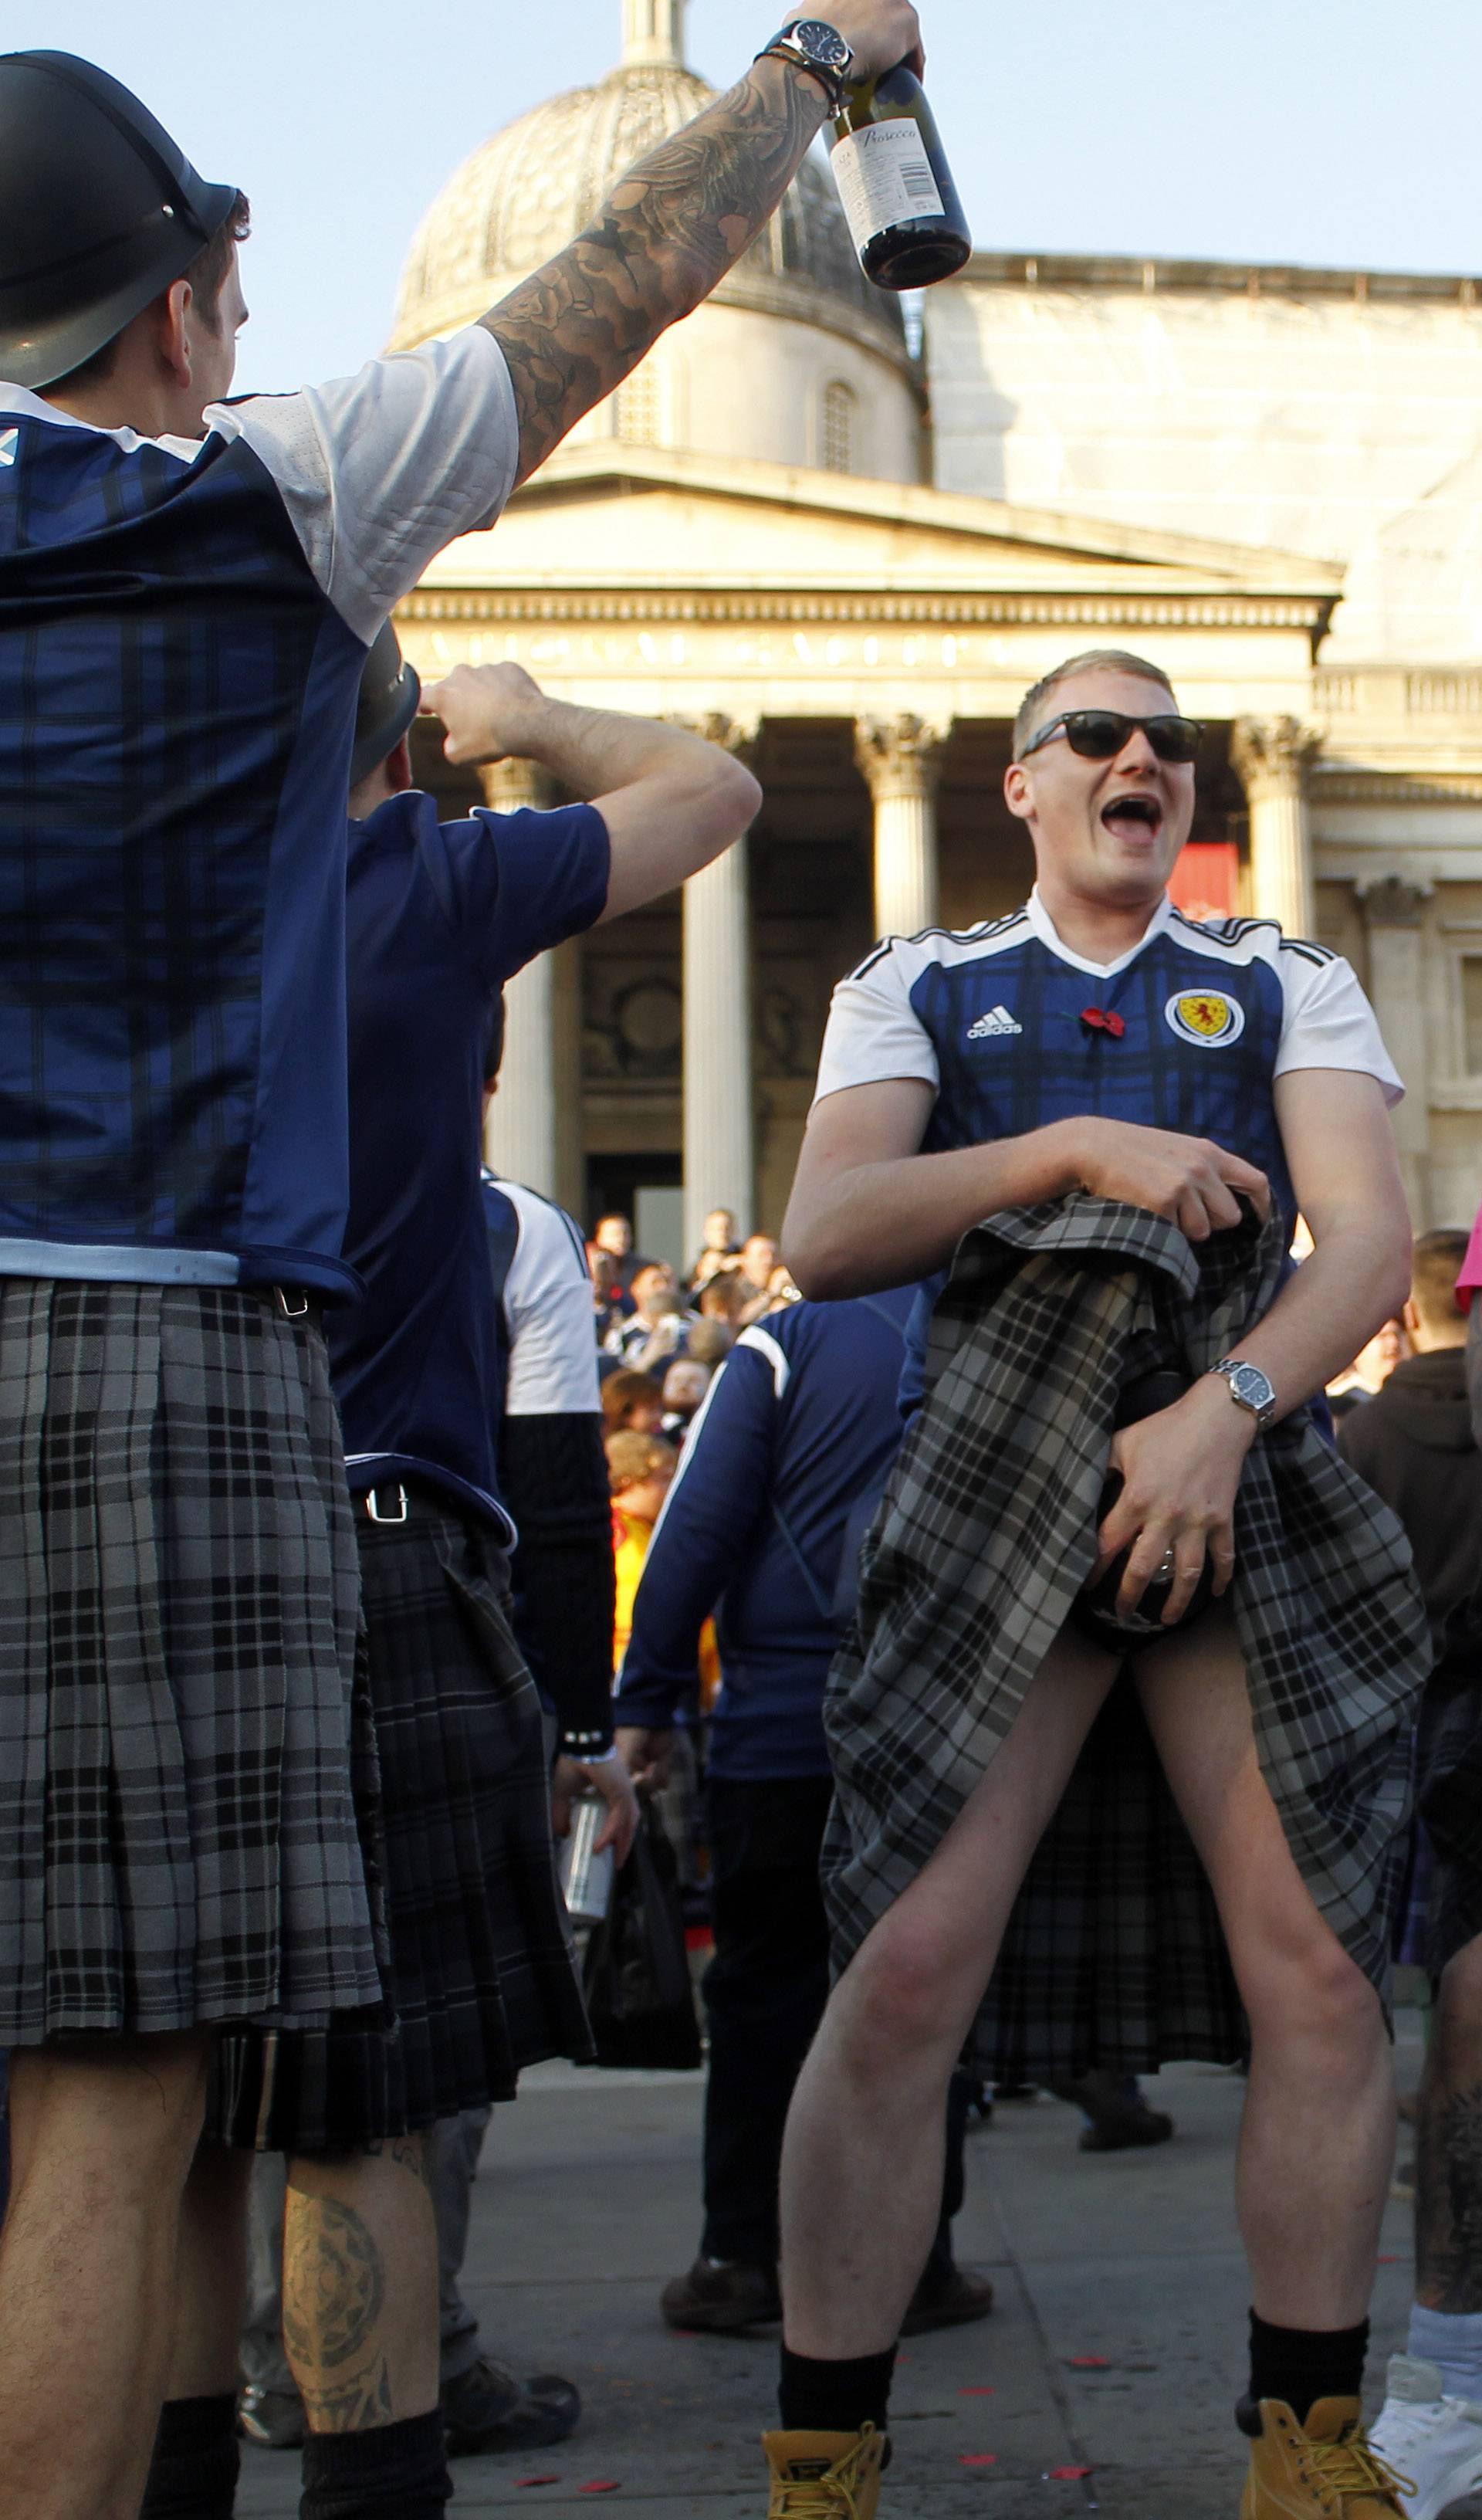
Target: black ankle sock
x,y
1300,2364
193,2474
397,2472
834,2397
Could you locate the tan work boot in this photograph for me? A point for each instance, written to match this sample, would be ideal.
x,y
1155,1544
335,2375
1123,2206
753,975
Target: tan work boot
x,y
824,2476
1326,2471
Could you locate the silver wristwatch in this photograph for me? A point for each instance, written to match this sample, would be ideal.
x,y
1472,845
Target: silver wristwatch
x,y
814,45
1249,1388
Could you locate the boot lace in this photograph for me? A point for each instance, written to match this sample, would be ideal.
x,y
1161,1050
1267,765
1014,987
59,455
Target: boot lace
x,y
1352,2465
827,2498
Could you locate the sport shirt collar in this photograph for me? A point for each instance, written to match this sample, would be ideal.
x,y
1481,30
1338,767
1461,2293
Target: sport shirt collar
x,y
1050,936
18,402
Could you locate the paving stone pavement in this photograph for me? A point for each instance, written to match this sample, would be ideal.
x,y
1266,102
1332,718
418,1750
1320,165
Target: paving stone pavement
x,y
588,2200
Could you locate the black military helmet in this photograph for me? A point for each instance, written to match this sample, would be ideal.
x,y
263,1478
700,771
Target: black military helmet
x,y
99,212
390,696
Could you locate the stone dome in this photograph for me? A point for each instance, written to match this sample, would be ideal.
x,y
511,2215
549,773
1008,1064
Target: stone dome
x,y
530,187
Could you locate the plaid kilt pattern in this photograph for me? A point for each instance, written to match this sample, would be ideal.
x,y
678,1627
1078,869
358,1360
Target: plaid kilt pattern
x,y
1444,1889
984,1536
482,1978
178,1589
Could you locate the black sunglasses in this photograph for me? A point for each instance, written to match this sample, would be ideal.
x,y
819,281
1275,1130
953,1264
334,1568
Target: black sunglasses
x,y
1099,734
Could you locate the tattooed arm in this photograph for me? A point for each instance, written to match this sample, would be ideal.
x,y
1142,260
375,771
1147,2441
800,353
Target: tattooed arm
x,y
674,226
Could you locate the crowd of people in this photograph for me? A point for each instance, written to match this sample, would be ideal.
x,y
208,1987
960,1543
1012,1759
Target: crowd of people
x,y
1054,1694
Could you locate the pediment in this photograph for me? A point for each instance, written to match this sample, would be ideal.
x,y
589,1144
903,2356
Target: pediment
x,y
603,514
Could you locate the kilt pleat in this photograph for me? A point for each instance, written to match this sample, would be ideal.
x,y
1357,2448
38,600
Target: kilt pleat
x,y
178,1583
483,1979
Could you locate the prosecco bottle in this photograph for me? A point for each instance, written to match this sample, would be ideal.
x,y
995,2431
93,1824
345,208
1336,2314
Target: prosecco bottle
x,y
896,186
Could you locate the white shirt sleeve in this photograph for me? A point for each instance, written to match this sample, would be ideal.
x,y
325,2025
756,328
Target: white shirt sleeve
x,y
1328,1022
548,1307
379,470
873,1032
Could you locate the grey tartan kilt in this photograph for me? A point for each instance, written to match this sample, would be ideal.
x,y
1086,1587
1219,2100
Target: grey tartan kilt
x,y
1114,1954
484,1978
178,1591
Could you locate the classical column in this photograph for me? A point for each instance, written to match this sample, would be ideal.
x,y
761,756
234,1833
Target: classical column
x,y
522,1139
1271,756
1394,916
720,1160
901,759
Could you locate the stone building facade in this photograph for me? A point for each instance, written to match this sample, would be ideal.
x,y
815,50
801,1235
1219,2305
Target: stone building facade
x,y
848,557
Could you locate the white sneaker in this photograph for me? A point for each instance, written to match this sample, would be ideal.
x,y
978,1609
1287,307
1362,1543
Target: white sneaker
x,y
1433,2440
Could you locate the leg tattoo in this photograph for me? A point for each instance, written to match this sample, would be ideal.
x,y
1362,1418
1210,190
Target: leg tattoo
x,y
1449,2200
334,2294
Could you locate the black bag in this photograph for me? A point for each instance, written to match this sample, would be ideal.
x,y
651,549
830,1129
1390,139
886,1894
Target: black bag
x,y
637,1970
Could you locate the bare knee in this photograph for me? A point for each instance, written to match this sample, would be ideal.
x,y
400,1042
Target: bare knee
x,y
1455,2054
1303,1988
901,2008
134,2095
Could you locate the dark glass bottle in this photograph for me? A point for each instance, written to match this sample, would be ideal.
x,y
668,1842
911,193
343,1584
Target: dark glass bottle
x,y
896,186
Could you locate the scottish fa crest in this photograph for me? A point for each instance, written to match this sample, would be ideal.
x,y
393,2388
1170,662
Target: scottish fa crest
x,y
1206,1018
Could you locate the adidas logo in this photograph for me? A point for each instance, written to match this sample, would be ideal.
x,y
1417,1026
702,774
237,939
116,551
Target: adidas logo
x,y
996,1020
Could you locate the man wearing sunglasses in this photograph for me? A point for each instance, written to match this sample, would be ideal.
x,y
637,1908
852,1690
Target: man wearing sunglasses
x,y
1099,1040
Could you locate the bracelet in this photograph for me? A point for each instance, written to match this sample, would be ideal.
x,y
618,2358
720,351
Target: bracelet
x,y
834,91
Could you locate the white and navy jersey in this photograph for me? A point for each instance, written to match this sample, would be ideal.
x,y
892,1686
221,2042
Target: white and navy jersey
x,y
550,1353
186,623
1189,1031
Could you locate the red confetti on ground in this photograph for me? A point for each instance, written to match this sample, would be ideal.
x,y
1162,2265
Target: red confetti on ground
x,y
977,2393
1089,2363
1067,2471
978,2458
1389,2262
537,2480
601,2485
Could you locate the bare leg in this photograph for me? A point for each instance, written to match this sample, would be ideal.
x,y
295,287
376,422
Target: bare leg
x,y
360,2287
102,2139
1318,2140
211,2281
1449,2150
862,2159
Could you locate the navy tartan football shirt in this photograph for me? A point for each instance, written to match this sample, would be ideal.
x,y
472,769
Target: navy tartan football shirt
x,y
184,626
1188,1031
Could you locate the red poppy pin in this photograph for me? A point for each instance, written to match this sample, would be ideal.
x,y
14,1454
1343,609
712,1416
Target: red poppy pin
x,y
1098,1019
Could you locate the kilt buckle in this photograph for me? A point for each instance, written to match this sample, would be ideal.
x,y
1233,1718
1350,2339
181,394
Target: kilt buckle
x,y
373,1505
293,1302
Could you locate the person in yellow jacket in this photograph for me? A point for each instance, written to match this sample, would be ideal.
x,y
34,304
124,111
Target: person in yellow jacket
x,y
640,1468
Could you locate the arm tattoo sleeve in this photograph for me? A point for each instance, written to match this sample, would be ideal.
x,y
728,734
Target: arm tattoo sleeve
x,y
674,226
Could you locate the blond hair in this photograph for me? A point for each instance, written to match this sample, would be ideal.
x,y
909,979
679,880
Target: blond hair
x,y
1109,661
633,1457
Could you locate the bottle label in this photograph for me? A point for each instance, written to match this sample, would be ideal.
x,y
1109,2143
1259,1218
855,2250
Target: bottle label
x,y
883,176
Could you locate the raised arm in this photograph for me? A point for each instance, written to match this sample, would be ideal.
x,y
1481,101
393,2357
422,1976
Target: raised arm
x,y
674,226
670,800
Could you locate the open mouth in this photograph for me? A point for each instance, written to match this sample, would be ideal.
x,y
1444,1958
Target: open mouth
x,y
1134,817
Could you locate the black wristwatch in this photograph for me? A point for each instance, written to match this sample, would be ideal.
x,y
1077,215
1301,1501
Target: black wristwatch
x,y
812,44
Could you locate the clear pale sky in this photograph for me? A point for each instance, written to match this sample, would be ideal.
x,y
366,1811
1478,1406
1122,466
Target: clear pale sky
x,y
1308,132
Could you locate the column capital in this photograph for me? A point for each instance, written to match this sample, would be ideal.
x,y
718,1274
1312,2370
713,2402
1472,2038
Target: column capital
x,y
1393,900
737,736
509,784
1272,755
899,756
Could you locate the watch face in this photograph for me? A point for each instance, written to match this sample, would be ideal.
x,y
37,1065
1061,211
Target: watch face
x,y
1249,1383
821,43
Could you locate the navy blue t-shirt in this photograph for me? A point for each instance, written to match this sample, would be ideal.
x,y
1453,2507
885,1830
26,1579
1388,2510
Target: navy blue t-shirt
x,y
1188,1031
438,915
